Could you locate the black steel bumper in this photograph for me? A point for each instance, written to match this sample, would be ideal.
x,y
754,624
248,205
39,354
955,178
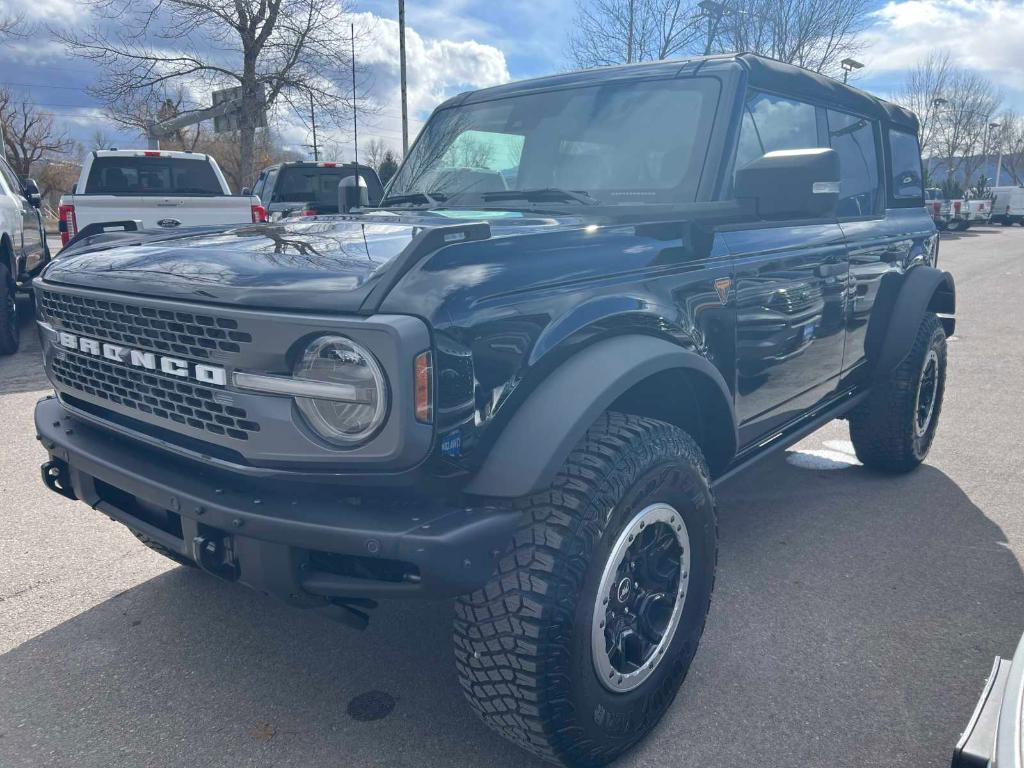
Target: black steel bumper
x,y
309,545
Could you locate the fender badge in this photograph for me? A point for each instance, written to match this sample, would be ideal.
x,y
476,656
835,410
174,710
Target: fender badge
x,y
722,285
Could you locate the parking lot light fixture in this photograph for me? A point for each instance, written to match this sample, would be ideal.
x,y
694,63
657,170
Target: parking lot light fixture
x,y
849,65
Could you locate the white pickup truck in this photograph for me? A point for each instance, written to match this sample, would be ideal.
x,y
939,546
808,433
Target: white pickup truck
x,y
159,189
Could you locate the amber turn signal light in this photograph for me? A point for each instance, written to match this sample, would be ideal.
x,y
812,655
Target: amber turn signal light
x,y
424,377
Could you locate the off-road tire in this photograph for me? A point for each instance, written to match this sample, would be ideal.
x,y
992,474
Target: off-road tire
x,y
523,642
10,332
883,429
161,549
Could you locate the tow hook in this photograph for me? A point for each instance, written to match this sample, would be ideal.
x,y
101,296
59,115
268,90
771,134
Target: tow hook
x,y
213,555
58,479
350,611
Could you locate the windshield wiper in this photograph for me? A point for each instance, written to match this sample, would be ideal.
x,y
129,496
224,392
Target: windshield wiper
x,y
544,195
422,198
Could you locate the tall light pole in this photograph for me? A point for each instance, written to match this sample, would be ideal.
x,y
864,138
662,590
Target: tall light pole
x,y
714,11
848,66
401,56
999,163
355,115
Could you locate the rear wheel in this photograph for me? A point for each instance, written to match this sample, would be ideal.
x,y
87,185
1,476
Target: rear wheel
x,y
10,332
892,431
578,644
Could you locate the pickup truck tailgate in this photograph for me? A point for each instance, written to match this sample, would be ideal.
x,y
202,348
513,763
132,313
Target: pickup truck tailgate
x,y
157,212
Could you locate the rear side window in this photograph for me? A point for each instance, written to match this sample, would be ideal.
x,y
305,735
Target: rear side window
x,y
853,139
151,176
773,122
906,167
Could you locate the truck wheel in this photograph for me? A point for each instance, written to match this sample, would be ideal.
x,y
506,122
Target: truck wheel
x,y
10,331
579,642
893,429
161,549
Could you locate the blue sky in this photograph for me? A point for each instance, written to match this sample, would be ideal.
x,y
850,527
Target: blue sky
x,y
455,45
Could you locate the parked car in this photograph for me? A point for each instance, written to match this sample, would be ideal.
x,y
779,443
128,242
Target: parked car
x,y
159,189
310,188
979,211
23,249
1008,205
522,396
946,213
994,737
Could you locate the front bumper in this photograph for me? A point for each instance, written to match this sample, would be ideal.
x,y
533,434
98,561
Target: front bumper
x,y
312,546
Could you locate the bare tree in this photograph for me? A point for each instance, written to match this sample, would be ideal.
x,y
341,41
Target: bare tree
x,y
626,31
814,34
922,94
277,52
100,139
1009,141
965,109
374,153
29,134
11,25
56,177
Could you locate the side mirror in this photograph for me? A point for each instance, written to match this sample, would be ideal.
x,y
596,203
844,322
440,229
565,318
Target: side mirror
x,y
791,184
246,191
32,194
352,193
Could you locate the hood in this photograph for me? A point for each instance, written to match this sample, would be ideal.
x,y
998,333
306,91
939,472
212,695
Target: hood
x,y
326,264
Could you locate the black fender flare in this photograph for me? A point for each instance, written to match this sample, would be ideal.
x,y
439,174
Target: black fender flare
x,y
538,438
891,330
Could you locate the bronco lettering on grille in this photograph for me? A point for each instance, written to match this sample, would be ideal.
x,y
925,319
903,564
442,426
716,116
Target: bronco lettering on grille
x,y
172,366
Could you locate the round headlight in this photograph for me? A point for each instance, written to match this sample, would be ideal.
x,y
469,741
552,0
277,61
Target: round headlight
x,y
361,402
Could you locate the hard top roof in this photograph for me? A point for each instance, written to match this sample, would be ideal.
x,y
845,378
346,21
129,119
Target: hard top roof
x,y
762,73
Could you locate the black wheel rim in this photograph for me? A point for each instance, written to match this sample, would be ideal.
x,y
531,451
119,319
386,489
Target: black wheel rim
x,y
640,598
927,394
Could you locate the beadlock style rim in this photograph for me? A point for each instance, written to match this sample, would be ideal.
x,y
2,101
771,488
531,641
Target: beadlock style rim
x,y
640,598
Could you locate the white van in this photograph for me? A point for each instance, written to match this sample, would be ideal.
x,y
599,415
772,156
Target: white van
x,y
1008,205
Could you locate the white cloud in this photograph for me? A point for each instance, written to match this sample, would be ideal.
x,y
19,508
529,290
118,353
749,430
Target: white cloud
x,y
437,68
984,35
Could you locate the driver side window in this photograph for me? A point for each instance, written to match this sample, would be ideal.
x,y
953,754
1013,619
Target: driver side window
x,y
774,122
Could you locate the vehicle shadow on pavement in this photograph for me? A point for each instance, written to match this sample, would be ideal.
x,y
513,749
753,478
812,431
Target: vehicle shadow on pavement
x,y
23,371
853,624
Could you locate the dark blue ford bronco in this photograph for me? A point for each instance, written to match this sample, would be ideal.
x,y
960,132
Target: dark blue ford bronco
x,y
583,302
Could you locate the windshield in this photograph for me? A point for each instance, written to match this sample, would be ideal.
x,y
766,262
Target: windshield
x,y
114,175
318,184
624,142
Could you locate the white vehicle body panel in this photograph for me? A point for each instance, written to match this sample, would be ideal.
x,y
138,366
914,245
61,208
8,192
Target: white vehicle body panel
x,y
158,211
1008,201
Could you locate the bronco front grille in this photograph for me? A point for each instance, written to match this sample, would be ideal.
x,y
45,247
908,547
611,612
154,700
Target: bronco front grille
x,y
183,333
159,396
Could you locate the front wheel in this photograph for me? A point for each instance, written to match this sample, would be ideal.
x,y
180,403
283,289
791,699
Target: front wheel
x,y
893,430
578,644
10,332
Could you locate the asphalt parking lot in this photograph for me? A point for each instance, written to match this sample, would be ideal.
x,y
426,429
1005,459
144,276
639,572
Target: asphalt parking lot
x,y
854,620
